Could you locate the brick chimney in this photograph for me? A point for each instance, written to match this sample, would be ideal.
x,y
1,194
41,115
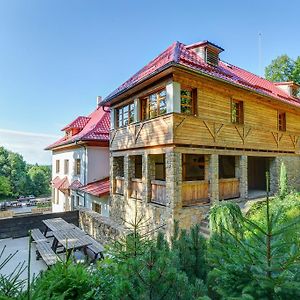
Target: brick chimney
x,y
99,100
208,51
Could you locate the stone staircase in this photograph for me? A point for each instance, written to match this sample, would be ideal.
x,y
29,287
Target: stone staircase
x,y
204,227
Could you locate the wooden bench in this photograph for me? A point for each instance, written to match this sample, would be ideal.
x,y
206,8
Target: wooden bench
x,y
97,249
45,251
37,236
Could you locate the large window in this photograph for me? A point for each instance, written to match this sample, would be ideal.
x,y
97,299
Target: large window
x,y
188,98
66,166
193,167
281,121
237,112
125,115
77,166
154,105
160,166
57,165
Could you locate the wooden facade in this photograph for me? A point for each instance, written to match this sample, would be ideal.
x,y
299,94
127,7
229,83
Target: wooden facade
x,y
209,130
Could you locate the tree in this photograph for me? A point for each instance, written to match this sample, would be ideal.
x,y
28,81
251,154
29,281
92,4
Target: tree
x,y
283,68
39,180
283,182
5,188
263,263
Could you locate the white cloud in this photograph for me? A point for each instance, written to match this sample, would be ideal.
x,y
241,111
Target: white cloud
x,y
29,144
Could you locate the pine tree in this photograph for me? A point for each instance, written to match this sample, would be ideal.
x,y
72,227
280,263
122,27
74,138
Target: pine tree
x,y
283,182
264,263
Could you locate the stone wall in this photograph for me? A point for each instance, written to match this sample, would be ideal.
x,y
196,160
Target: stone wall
x,y
103,229
292,164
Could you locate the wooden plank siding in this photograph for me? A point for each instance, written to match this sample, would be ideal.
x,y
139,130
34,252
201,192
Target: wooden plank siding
x,y
194,192
212,126
229,188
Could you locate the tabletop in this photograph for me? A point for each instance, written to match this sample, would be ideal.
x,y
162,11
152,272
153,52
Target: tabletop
x,y
72,238
57,224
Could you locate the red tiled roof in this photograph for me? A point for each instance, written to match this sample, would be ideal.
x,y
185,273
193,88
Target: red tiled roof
x,y
61,184
96,129
97,188
79,122
75,185
178,54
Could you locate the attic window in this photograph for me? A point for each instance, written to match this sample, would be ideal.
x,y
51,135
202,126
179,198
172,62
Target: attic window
x,y
295,92
212,57
281,121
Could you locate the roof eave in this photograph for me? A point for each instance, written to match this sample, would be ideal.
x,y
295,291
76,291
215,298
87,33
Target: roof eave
x,y
107,101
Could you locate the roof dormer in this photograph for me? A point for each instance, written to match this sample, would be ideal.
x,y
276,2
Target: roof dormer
x,y
290,87
208,51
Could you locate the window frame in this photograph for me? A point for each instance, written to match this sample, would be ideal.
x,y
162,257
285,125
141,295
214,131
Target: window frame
x,y
66,166
77,166
193,99
281,120
145,104
57,166
120,111
239,118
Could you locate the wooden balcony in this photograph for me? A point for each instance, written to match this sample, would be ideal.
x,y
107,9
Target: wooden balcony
x,y
119,185
158,194
136,188
195,192
229,188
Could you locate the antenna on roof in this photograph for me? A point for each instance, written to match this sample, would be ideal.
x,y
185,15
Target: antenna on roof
x,y
260,54
99,99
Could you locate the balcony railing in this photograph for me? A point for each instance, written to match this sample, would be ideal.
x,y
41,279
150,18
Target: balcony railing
x,y
195,192
229,188
158,192
119,185
136,188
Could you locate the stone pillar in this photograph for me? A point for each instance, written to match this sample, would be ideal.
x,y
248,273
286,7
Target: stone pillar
x,y
112,173
173,97
129,164
148,173
274,174
243,175
173,179
213,176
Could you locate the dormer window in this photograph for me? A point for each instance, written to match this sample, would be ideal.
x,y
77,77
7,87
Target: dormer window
x,y
125,115
154,105
281,121
212,57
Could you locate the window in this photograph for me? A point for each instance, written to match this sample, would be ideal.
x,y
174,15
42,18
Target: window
x,y
57,196
57,165
66,166
281,121
237,112
125,115
154,105
77,201
188,101
193,167
138,166
97,208
77,166
226,166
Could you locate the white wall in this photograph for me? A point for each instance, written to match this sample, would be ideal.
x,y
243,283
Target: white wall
x,y
98,163
103,201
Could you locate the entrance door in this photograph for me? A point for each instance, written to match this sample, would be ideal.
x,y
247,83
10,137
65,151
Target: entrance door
x,y
257,168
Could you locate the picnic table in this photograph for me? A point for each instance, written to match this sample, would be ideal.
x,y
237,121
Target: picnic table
x,y
56,224
71,239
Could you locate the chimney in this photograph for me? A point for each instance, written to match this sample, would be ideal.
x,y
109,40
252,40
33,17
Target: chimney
x,y
99,100
208,51
289,87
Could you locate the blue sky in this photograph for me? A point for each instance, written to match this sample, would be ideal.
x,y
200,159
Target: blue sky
x,y
56,56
